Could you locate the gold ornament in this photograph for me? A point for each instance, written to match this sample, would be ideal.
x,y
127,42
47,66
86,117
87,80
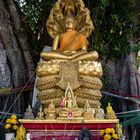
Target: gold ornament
x,y
63,8
110,114
21,132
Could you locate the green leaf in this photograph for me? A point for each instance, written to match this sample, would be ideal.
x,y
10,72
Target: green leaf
x,y
105,2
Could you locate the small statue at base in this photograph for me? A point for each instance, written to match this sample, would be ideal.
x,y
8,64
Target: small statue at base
x,y
28,114
70,101
50,112
110,114
99,113
21,133
89,112
40,114
87,106
69,107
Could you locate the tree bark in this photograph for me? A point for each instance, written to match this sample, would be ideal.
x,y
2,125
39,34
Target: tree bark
x,y
16,65
124,80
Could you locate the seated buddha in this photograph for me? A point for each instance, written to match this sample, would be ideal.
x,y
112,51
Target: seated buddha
x,y
71,40
99,113
40,114
110,114
50,111
70,45
89,112
70,108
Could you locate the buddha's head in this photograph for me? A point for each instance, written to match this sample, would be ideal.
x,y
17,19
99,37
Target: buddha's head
x,y
69,96
40,109
69,23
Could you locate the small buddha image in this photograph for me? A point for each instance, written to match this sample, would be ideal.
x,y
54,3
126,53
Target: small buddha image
x,y
100,114
70,100
89,112
69,108
50,112
40,114
87,106
28,114
110,114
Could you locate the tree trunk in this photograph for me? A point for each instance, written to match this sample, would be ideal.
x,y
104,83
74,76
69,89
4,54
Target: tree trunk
x,y
16,65
124,79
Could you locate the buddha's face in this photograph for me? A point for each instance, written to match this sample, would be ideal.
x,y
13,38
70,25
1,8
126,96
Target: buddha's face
x,y
69,23
69,95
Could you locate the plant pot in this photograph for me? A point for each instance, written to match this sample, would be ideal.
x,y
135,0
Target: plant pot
x,y
9,136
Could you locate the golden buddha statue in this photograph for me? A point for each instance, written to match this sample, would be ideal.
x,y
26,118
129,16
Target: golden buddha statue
x,y
70,108
50,112
68,40
70,45
70,101
40,114
88,112
110,114
69,25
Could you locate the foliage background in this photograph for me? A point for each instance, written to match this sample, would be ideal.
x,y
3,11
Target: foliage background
x,y
115,23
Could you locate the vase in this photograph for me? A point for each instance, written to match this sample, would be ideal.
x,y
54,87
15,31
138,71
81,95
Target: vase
x,y
9,136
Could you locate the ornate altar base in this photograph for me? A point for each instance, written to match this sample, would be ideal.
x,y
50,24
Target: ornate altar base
x,y
68,130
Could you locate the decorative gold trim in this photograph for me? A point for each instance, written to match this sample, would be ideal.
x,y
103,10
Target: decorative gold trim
x,y
58,121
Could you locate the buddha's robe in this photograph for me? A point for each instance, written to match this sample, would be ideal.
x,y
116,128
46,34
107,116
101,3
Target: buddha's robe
x,y
72,41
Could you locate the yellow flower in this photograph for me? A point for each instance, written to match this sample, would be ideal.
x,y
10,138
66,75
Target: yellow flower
x,y
107,137
108,130
113,130
7,126
13,121
15,127
14,117
115,136
102,132
8,121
